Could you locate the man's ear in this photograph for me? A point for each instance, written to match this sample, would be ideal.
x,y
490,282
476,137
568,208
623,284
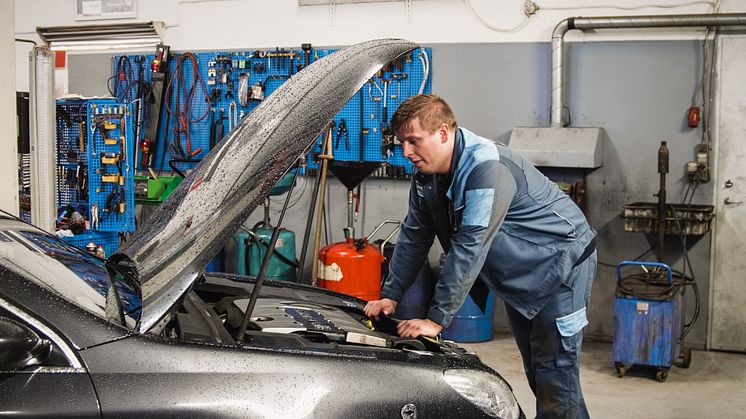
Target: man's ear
x,y
444,132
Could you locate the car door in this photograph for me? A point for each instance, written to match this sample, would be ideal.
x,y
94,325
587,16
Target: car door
x,y
53,381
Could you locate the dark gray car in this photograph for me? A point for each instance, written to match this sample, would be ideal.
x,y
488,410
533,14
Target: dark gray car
x,y
148,333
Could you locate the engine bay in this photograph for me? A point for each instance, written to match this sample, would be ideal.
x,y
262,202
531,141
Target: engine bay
x,y
284,316
316,322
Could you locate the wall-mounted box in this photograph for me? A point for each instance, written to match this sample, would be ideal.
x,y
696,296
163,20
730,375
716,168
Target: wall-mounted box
x,y
560,147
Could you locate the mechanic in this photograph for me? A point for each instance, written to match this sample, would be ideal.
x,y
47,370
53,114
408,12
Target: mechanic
x,y
504,226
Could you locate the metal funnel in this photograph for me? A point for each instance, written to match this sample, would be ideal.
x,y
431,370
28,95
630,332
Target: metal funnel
x,y
351,173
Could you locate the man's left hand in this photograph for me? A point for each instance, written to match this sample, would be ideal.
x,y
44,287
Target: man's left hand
x,y
418,327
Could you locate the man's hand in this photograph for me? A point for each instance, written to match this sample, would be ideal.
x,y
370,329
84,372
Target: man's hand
x,y
418,327
374,308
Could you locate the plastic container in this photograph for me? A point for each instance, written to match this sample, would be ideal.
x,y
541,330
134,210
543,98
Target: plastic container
x,y
471,324
217,263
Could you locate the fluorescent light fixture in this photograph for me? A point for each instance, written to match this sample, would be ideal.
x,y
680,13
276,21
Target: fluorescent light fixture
x,y
119,36
42,132
131,44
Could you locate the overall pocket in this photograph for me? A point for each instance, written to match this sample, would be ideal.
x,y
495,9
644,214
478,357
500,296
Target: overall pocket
x,y
570,328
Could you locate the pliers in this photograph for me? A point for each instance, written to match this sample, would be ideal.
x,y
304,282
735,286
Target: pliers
x,y
342,131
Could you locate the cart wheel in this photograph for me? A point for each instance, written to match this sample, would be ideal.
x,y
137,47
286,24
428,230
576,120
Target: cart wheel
x,y
686,358
661,375
620,370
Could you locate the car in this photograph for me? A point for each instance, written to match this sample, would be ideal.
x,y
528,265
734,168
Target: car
x,y
147,332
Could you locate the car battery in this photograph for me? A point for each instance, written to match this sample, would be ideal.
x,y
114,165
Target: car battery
x,y
648,319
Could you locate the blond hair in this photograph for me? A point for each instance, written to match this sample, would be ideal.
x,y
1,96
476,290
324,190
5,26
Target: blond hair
x,y
431,110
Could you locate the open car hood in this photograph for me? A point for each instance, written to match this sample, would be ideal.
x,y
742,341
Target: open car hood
x,y
169,252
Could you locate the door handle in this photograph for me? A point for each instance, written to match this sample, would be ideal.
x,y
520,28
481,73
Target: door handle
x,y
729,201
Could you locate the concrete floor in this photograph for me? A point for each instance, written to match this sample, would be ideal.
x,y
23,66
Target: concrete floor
x,y
714,386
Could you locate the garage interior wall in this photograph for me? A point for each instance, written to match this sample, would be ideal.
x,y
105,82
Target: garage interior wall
x,y
8,148
637,90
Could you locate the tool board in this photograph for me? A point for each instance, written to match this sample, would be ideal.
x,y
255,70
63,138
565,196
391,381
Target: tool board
x,y
261,72
95,174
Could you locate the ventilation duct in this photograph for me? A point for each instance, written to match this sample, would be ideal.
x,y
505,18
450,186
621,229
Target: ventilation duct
x,y
557,146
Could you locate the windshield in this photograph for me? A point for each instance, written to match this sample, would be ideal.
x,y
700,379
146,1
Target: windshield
x,y
70,272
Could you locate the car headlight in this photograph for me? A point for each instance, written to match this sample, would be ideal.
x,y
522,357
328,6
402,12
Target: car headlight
x,y
488,392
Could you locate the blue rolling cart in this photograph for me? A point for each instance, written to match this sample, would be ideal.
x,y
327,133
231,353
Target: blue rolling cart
x,y
649,319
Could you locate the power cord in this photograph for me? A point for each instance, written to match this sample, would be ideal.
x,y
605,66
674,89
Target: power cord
x,y
493,27
184,102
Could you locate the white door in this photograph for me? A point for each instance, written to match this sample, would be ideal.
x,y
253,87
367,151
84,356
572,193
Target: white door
x,y
727,329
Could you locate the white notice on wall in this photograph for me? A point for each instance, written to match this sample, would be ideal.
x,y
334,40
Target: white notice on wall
x,y
92,8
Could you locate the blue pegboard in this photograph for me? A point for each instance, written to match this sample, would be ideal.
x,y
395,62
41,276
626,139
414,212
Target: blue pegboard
x,y
399,89
109,240
271,68
80,147
101,191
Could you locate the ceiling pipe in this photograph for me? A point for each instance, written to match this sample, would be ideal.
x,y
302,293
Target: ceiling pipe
x,y
619,22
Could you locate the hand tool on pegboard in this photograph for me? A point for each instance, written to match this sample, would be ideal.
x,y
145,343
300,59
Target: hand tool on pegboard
x,y
213,129
342,132
232,115
387,133
158,67
306,47
220,126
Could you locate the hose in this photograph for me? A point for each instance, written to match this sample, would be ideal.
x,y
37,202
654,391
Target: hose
x,y
425,70
123,80
232,116
184,101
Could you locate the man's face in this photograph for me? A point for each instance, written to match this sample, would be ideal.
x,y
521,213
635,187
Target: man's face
x,y
430,152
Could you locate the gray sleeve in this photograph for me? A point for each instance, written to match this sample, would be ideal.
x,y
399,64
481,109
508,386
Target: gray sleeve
x,y
415,239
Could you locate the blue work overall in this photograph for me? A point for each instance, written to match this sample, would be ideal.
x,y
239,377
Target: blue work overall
x,y
506,227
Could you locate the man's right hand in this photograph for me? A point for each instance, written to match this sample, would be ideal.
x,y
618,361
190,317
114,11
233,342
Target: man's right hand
x,y
376,307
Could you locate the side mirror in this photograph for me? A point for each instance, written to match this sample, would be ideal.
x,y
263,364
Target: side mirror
x,y
20,346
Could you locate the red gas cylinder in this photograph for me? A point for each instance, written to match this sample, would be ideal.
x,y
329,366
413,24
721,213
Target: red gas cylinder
x,y
352,267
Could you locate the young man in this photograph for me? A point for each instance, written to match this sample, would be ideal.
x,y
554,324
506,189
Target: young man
x,y
503,226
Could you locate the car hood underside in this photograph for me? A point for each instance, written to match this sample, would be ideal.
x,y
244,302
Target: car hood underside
x,y
172,249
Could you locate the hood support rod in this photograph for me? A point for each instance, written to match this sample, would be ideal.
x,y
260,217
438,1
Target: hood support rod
x,y
619,22
265,262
